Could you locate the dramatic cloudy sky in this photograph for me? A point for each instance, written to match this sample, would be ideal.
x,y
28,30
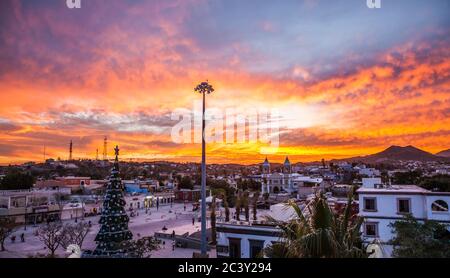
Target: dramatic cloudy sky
x,y
346,79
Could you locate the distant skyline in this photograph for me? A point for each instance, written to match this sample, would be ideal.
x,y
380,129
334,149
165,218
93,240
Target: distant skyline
x,y
348,80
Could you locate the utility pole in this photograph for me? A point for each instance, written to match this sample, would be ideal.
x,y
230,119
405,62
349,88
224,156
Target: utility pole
x,y
105,148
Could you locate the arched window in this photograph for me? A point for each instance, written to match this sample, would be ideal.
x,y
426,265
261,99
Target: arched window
x,y
439,205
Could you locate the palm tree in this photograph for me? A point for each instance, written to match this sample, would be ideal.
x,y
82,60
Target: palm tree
x,y
320,233
227,211
213,221
238,205
222,194
245,201
255,204
226,206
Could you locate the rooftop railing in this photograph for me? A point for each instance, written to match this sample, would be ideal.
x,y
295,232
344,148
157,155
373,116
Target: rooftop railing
x,y
27,191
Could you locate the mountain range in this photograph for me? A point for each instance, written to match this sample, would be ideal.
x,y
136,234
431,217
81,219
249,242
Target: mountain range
x,y
397,153
445,153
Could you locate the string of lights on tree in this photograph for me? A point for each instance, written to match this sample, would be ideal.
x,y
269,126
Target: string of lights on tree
x,y
114,230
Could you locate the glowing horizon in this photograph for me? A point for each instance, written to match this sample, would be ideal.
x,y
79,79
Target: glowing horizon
x,y
349,80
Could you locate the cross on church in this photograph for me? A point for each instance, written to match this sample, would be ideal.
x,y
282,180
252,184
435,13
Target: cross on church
x,y
117,150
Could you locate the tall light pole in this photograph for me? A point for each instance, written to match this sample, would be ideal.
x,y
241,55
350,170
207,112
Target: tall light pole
x,y
204,88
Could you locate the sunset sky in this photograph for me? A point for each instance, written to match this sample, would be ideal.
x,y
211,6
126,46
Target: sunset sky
x,y
347,80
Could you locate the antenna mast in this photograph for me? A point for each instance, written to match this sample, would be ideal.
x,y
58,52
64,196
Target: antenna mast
x,y
105,148
70,150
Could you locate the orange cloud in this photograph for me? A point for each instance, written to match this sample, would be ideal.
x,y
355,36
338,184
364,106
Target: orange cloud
x,y
125,85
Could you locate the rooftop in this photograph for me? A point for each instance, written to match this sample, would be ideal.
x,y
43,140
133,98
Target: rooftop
x,y
400,189
73,177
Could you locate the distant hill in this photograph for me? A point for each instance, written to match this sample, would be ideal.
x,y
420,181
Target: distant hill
x,y
397,153
445,153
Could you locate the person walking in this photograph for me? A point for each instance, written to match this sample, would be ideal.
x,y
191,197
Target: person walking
x,y
193,221
22,237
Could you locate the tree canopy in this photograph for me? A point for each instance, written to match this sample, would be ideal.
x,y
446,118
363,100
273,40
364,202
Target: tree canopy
x,y
438,182
186,183
16,179
414,239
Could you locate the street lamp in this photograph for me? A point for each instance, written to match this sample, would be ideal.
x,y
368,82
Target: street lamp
x,y
204,88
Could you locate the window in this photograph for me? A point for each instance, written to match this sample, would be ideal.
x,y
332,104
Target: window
x,y
370,204
439,206
371,229
404,206
235,247
256,247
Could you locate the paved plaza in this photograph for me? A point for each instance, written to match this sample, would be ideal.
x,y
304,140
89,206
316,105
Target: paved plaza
x,y
174,218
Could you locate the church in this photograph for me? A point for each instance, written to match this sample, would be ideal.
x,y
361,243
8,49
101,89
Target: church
x,y
284,181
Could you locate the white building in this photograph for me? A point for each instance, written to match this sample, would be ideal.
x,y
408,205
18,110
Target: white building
x,y
369,172
382,205
247,239
72,210
30,206
244,241
285,181
372,183
276,182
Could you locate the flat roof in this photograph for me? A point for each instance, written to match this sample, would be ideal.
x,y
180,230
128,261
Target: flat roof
x,y
73,177
400,189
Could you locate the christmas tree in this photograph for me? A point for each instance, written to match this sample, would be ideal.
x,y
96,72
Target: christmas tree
x,y
114,235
